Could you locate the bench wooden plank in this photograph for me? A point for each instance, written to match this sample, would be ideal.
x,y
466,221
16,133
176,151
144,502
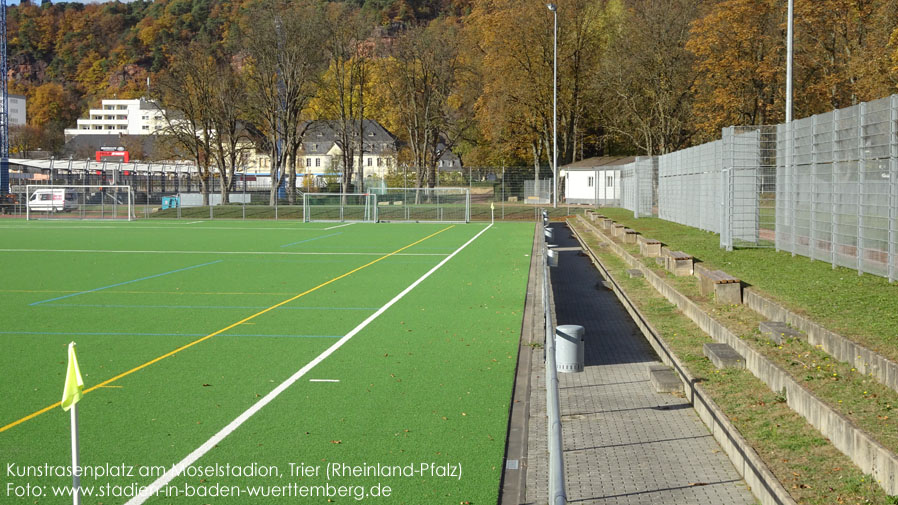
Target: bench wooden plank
x,y
721,277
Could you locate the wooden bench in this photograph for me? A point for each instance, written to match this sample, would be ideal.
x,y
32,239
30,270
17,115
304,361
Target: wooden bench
x,y
649,247
679,263
629,236
726,288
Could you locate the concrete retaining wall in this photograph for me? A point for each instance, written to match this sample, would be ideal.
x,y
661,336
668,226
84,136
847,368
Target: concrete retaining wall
x,y
865,360
868,454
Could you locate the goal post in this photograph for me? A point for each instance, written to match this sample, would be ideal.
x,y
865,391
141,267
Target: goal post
x,y
440,204
341,207
79,202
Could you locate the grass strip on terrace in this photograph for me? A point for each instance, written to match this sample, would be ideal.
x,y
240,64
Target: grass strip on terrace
x,y
863,308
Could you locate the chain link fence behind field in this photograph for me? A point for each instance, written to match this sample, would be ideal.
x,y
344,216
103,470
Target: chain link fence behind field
x,y
174,191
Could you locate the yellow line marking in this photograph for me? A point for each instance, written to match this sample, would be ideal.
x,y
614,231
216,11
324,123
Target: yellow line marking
x,y
219,332
113,387
226,293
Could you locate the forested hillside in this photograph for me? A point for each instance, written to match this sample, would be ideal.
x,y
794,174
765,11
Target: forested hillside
x,y
635,76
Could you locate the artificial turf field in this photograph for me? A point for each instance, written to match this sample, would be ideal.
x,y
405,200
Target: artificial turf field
x,y
183,327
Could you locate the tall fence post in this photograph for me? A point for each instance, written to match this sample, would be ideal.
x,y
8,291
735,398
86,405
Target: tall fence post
x,y
861,165
726,186
812,217
832,230
893,186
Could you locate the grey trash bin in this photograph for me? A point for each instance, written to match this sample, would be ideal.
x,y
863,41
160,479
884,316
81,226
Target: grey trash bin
x,y
552,257
569,348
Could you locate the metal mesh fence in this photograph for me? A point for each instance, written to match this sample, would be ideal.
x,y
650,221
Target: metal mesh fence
x,y
837,187
689,183
639,181
748,186
726,186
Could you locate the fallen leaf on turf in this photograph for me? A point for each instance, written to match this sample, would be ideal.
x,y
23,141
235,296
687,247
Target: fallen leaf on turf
x,y
698,483
206,385
336,441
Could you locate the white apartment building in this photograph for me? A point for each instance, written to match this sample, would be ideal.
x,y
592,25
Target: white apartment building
x,y
126,117
16,108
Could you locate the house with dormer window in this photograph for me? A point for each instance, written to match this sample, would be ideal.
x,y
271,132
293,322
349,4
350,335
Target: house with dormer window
x,y
321,152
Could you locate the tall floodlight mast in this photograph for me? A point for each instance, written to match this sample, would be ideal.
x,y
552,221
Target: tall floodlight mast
x,y
4,111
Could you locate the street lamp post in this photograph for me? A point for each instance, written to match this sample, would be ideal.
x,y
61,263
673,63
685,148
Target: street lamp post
x,y
554,9
789,63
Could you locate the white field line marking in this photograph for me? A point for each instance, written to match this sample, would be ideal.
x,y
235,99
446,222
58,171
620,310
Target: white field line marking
x,y
194,222
276,253
191,458
338,226
324,380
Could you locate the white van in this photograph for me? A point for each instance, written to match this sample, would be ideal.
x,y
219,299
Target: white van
x,y
53,200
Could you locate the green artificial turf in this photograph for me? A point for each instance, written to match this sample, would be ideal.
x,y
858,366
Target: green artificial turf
x,y
427,384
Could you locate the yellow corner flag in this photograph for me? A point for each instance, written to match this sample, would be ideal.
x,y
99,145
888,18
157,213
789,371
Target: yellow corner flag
x,y
74,384
492,206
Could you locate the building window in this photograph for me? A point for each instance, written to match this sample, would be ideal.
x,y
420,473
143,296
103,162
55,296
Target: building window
x,y
317,162
609,181
370,161
590,181
451,163
380,162
308,162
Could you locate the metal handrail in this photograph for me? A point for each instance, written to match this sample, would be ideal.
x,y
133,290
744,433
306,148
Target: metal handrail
x,y
557,491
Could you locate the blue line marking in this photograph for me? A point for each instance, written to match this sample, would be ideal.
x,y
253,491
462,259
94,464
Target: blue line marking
x,y
130,334
114,306
311,239
123,283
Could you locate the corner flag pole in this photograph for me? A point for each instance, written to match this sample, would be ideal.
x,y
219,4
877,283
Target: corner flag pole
x,y
71,394
492,213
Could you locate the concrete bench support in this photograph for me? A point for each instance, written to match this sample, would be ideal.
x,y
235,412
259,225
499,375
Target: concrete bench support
x,y
723,356
778,331
607,224
664,379
679,263
618,230
650,248
629,236
726,288
635,272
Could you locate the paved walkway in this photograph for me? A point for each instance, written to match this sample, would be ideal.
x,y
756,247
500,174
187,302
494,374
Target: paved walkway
x,y
623,443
